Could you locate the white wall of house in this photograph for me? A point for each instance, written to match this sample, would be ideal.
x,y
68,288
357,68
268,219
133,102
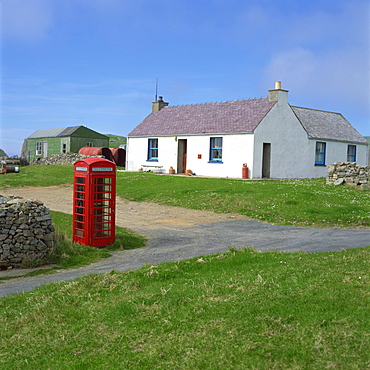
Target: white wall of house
x,y
137,153
289,143
237,150
335,152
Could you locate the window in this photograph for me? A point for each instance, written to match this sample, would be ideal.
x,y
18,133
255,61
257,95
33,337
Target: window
x,y
38,147
89,144
351,153
152,149
64,148
215,154
320,153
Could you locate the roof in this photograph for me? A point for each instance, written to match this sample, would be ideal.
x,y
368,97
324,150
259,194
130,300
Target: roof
x,y
237,116
54,132
327,125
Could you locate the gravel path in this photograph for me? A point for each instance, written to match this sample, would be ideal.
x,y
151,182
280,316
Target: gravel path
x,y
175,233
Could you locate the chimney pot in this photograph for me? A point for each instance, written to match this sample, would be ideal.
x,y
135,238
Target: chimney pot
x,y
159,104
278,85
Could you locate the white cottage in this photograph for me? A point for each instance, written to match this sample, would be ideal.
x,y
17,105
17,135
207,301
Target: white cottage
x,y
274,139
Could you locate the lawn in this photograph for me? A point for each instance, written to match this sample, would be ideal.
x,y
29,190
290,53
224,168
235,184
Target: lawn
x,y
306,202
236,310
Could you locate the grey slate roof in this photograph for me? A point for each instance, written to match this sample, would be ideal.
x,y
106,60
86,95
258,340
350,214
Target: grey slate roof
x,y
327,125
241,116
238,116
53,132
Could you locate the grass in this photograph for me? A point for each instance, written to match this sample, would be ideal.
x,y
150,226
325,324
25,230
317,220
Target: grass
x,y
306,202
237,310
115,141
68,254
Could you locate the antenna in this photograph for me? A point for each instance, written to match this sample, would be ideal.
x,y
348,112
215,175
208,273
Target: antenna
x,y
156,89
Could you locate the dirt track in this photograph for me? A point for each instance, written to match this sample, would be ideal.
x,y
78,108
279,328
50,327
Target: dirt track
x,y
138,216
176,233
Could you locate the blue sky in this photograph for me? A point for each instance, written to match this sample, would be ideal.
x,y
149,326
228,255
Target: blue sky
x,y
95,62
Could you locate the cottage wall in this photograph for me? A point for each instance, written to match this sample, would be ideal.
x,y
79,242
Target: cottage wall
x,y
289,144
236,150
335,152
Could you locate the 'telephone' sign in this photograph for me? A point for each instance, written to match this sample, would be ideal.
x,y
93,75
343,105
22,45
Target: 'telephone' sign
x,y
102,169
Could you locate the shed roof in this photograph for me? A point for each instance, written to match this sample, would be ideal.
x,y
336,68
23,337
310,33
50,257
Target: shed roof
x,y
327,125
54,132
237,116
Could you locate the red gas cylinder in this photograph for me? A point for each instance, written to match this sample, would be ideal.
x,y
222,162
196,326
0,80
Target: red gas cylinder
x,y
245,171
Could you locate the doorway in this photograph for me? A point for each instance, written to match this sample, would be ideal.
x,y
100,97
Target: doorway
x,y
266,160
45,153
181,155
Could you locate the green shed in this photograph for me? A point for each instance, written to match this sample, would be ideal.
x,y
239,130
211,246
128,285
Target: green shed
x,y
46,142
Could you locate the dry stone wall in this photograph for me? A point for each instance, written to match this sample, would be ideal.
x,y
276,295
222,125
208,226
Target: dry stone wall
x,y
26,231
349,173
68,158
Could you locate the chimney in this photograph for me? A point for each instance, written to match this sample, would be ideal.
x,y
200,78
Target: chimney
x,y
158,105
278,94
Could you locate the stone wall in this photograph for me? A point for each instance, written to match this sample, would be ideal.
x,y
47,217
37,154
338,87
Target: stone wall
x,y
349,173
68,158
26,231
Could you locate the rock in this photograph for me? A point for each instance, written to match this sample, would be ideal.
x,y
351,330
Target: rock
x,y
26,231
348,172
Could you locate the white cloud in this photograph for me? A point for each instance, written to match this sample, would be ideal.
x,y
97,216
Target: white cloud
x,y
326,56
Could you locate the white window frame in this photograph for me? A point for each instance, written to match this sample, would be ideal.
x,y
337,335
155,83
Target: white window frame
x,y
38,147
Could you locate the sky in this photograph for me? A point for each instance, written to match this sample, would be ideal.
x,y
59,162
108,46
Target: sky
x,y
96,62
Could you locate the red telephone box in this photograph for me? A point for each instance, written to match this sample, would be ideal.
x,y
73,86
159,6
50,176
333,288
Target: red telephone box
x,y
94,202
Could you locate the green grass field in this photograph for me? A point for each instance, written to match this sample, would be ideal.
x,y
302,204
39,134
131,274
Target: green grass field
x,y
307,202
237,310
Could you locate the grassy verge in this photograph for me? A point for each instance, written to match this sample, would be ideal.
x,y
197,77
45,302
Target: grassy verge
x,y
68,254
237,310
308,202
38,175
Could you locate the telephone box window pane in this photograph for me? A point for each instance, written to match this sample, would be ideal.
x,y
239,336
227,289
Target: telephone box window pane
x,y
80,180
80,203
79,225
102,189
79,233
79,210
101,203
103,180
103,196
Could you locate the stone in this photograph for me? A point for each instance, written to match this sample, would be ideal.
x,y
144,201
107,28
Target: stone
x,y
26,231
339,181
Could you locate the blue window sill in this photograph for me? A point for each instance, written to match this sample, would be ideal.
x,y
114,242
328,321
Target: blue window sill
x,y
320,164
152,160
215,162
